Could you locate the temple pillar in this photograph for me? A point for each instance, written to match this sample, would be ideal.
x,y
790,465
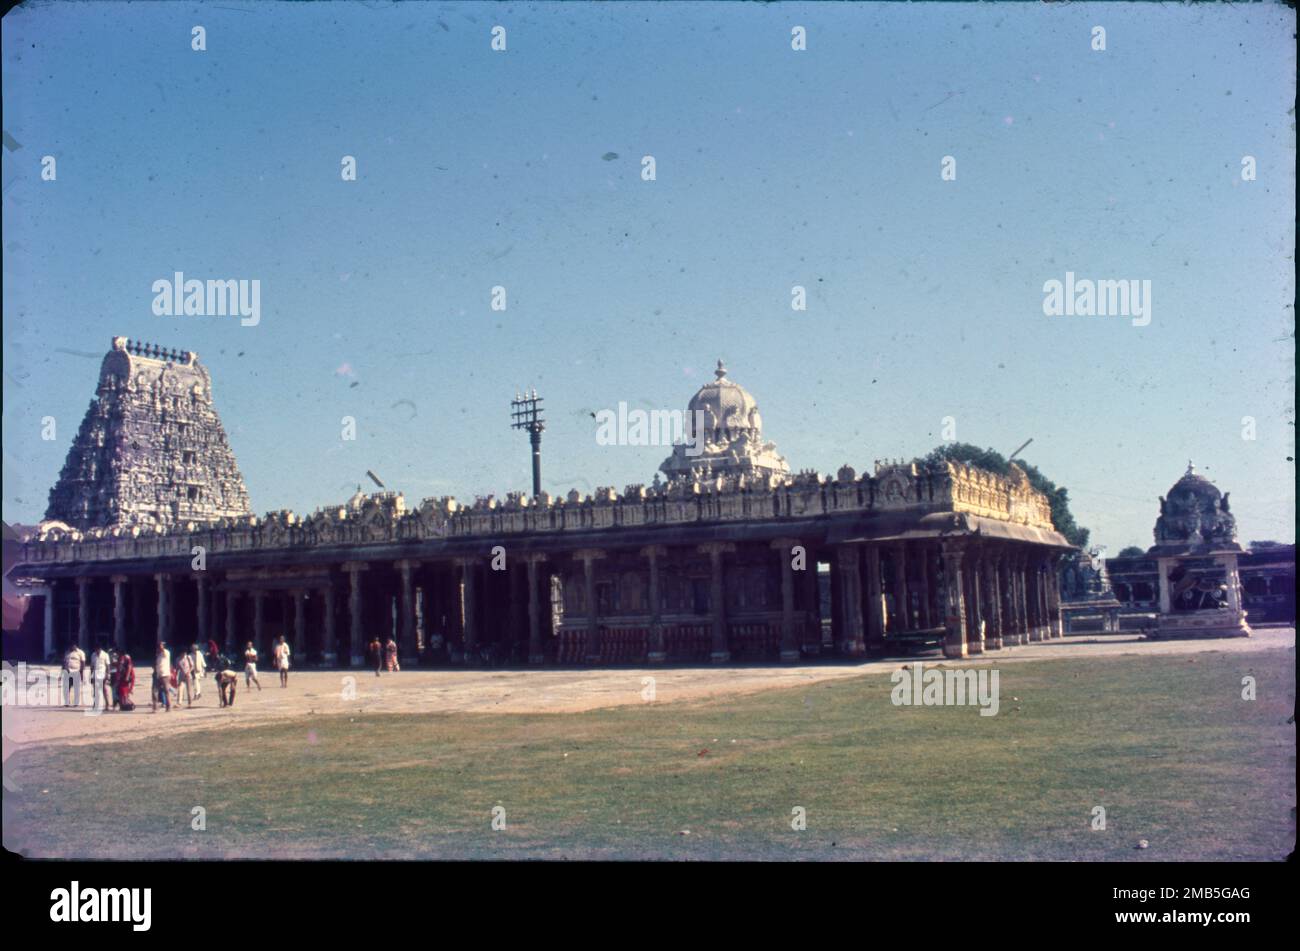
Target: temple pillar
x,y
848,563
721,651
300,625
536,651
119,612
164,607
812,593
657,652
902,598
47,638
330,653
1054,629
954,644
356,625
875,602
784,549
927,592
259,621
83,613
974,604
589,557
201,610
406,647
232,598
993,602
469,602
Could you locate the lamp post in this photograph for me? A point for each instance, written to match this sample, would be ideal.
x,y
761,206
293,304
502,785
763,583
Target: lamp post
x,y
526,413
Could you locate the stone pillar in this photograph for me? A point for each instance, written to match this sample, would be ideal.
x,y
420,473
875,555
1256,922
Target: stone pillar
x,y
232,600
83,613
119,612
721,652
1054,629
1162,569
993,604
1030,575
300,625
848,562
536,651
48,638
356,630
927,591
589,557
331,655
657,653
812,598
784,549
259,619
954,644
875,602
406,648
201,610
164,608
974,603
902,598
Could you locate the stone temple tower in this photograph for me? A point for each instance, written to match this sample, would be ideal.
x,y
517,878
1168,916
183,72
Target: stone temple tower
x,y
151,450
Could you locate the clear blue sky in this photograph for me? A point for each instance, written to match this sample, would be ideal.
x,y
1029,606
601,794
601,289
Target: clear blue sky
x,y
775,168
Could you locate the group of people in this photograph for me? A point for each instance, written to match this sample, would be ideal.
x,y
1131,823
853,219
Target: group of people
x,y
111,675
384,656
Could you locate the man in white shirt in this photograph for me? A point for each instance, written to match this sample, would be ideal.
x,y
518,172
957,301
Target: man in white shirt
x,y
99,678
162,679
200,668
73,661
282,661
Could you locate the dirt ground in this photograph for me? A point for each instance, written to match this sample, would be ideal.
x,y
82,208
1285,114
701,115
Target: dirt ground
x,y
538,691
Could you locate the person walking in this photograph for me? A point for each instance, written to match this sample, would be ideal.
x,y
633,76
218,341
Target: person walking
x,y
250,667
185,678
114,666
125,683
73,661
200,668
390,657
376,655
162,677
282,660
99,679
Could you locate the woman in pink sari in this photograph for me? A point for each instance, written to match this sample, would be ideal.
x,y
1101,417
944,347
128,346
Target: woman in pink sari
x,y
125,682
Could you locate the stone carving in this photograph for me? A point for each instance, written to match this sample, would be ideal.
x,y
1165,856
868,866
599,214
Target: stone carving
x,y
731,439
1195,513
151,450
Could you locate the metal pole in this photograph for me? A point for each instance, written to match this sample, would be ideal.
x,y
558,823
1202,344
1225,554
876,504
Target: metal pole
x,y
535,437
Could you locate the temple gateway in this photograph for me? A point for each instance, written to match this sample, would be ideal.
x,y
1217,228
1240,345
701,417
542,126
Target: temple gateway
x,y
149,535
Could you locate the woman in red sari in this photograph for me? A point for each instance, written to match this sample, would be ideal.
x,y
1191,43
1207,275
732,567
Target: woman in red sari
x,y
125,682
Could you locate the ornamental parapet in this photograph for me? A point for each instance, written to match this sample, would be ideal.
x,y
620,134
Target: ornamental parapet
x,y
383,518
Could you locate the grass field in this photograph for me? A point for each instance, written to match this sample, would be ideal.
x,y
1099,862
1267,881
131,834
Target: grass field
x,y
1166,744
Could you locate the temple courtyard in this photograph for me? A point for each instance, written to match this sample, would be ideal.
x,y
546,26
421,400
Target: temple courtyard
x,y
765,762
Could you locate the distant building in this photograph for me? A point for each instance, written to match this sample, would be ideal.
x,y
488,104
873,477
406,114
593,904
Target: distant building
x,y
151,536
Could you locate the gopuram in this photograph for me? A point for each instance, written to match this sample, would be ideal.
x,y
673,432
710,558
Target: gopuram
x,y
1196,553
149,536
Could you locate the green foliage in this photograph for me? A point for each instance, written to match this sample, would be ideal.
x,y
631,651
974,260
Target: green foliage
x,y
1058,497
1132,551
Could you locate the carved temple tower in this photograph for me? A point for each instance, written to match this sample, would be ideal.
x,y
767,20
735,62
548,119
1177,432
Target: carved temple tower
x,y
151,450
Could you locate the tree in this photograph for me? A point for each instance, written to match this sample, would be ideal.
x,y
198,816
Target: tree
x,y
1132,551
1058,497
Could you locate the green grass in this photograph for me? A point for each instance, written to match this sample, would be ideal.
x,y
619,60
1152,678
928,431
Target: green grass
x,y
1165,744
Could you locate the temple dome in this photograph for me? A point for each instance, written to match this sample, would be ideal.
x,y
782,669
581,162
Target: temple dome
x,y
724,433
726,405
1195,513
